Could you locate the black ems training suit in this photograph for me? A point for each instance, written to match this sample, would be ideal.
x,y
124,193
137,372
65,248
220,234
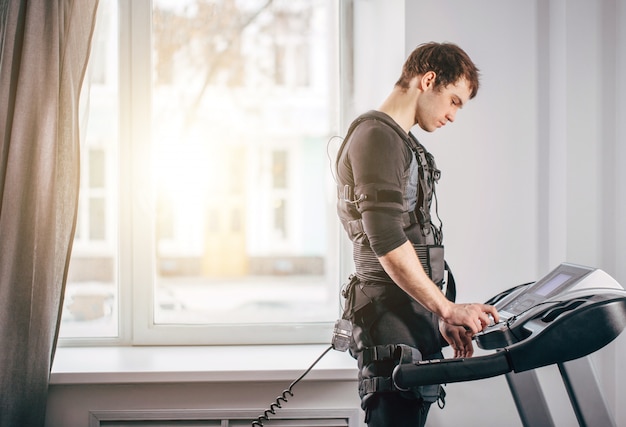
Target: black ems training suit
x,y
386,183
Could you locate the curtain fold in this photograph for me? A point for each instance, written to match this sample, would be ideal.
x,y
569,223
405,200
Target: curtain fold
x,y
44,49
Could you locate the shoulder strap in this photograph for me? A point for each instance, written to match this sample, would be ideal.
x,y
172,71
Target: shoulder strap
x,y
410,142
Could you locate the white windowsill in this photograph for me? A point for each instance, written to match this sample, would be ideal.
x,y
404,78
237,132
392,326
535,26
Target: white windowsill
x,y
115,365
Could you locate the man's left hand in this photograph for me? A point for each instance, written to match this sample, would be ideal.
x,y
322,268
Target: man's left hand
x,y
459,338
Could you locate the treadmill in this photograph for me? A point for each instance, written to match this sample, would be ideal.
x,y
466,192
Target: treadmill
x,y
561,319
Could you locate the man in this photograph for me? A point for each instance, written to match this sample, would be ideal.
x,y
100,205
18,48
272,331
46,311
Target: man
x,y
386,183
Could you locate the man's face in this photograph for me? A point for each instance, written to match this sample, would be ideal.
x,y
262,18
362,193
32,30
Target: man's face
x,y
438,106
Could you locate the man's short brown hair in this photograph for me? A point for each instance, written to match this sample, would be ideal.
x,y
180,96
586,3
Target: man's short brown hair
x,y
448,61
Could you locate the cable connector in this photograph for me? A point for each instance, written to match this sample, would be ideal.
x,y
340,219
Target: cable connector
x,y
342,333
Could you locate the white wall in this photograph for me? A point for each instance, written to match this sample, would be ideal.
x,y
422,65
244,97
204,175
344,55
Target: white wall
x,y
91,386
616,228
193,403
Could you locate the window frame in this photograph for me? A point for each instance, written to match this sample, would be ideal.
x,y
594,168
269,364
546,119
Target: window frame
x,y
136,237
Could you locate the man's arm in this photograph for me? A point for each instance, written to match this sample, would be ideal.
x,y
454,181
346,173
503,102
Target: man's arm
x,y
404,267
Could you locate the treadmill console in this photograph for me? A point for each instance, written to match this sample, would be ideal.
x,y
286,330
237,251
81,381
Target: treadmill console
x,y
565,288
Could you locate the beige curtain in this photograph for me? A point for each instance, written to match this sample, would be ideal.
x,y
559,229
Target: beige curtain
x,y
44,49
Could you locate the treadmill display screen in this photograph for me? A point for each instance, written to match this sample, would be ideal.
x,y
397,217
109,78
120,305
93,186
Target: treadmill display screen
x,y
552,284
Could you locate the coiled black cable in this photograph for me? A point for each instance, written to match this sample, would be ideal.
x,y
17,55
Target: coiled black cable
x,y
285,394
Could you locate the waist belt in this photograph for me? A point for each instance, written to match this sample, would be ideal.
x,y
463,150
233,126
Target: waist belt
x,y
399,352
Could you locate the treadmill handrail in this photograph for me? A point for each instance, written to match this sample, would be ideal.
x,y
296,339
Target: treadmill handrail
x,y
442,371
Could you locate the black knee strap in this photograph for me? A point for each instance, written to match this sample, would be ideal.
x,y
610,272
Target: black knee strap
x,y
388,357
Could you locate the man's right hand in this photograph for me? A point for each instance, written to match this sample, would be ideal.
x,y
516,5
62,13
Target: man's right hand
x,y
474,317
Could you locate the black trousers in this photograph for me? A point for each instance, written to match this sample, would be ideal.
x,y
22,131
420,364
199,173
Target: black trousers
x,y
393,320
395,410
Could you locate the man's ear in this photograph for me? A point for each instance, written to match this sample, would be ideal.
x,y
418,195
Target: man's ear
x,y
428,80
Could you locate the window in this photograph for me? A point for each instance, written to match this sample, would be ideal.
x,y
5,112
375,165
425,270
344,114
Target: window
x,y
207,205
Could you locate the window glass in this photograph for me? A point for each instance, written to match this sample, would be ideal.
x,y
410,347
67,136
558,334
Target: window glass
x,y
242,112
91,299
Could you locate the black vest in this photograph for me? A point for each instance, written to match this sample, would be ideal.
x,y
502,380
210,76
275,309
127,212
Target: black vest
x,y
419,191
418,195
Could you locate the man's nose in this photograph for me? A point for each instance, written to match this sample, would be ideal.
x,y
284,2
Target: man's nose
x,y
451,115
